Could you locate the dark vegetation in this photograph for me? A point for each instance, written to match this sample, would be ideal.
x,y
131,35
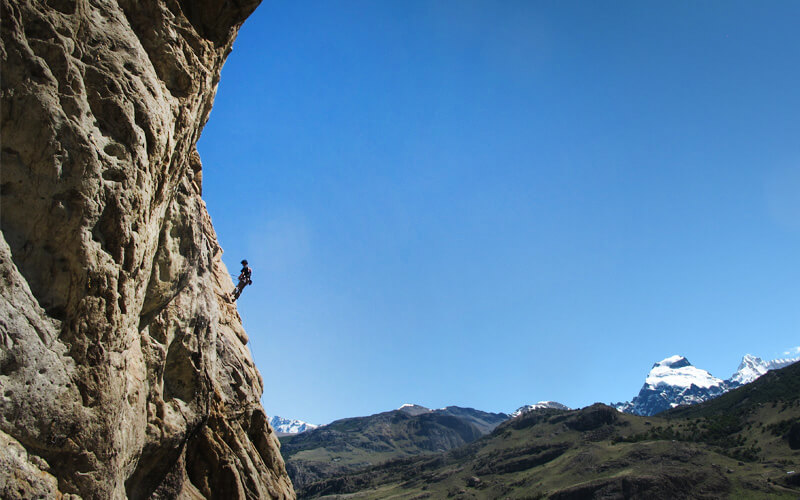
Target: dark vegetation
x,y
723,432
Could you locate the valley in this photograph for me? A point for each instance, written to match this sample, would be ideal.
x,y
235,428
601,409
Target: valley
x,y
742,444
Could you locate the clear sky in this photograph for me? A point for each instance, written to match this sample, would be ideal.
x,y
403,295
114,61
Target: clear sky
x,y
488,204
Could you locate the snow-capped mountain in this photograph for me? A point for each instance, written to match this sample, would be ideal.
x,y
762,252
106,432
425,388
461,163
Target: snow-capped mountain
x,y
290,426
541,405
674,381
677,371
753,367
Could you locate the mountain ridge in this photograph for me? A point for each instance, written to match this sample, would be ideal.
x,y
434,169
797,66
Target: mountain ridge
x,y
740,445
541,405
674,382
354,443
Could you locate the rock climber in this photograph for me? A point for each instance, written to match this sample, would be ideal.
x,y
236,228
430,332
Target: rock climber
x,y
244,279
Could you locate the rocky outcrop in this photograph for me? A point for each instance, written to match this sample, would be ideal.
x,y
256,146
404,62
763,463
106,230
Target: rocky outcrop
x,y
124,370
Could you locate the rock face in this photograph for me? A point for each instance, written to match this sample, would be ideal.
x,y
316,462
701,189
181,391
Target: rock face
x,y
124,370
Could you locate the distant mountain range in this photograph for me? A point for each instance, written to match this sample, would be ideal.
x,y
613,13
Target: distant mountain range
x,y
742,444
352,444
317,455
752,368
674,382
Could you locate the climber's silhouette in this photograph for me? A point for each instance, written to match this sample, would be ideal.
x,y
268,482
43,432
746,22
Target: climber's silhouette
x,y
244,280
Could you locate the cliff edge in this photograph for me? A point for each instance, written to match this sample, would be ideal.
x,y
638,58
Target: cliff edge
x,y
124,370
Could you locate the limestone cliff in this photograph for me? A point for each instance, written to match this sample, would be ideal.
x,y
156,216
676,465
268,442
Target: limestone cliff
x,y
124,370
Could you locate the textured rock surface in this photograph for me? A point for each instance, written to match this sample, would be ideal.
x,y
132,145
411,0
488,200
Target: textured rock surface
x,y
124,370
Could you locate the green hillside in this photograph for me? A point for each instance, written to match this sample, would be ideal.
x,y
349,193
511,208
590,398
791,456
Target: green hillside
x,y
744,444
356,443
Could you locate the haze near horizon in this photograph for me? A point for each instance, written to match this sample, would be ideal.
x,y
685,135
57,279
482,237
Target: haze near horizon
x,y
464,203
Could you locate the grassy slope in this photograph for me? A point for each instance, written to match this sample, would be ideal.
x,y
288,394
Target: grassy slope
x,y
736,446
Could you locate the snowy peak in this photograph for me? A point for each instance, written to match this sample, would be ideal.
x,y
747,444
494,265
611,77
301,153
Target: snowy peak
x,y
673,362
749,369
414,410
674,381
290,426
541,405
753,367
677,371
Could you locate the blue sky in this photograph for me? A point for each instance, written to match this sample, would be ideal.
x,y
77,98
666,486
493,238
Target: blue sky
x,y
488,205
